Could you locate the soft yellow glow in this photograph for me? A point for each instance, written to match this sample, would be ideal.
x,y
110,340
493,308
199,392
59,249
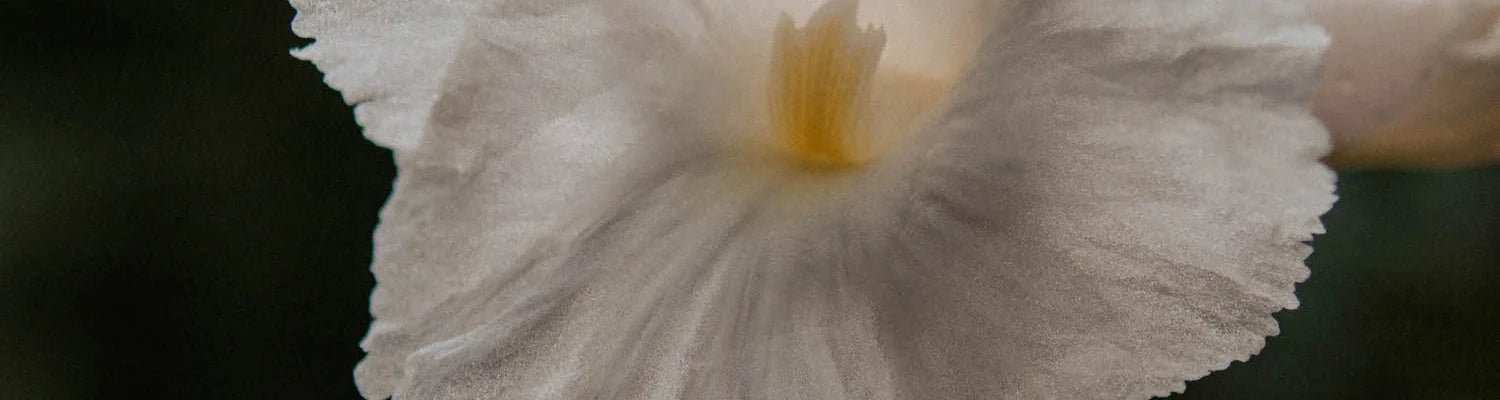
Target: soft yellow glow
x,y
820,83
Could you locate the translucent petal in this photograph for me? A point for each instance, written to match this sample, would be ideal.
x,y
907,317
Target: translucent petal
x,y
1115,202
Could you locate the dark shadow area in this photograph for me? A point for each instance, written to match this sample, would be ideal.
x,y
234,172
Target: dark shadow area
x,y
188,209
1401,303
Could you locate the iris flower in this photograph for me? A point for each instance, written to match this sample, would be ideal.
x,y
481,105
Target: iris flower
x,y
788,199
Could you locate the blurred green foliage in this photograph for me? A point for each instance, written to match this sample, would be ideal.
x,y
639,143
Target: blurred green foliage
x,y
187,215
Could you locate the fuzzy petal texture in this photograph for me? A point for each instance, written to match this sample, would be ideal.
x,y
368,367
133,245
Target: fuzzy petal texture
x,y
1114,201
386,56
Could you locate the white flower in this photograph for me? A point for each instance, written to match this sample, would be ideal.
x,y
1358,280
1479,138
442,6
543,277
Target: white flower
x,y
650,199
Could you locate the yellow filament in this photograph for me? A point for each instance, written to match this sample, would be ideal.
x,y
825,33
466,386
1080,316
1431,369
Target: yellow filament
x,y
819,85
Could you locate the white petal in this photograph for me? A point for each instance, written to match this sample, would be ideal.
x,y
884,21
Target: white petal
x,y
1120,202
1116,203
511,124
387,56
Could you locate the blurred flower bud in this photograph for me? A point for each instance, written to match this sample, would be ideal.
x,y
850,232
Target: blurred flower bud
x,y
1411,83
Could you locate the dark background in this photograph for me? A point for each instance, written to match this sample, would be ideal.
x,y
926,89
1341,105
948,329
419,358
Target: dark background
x,y
186,214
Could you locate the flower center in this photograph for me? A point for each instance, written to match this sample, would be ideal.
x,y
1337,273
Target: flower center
x,y
820,84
